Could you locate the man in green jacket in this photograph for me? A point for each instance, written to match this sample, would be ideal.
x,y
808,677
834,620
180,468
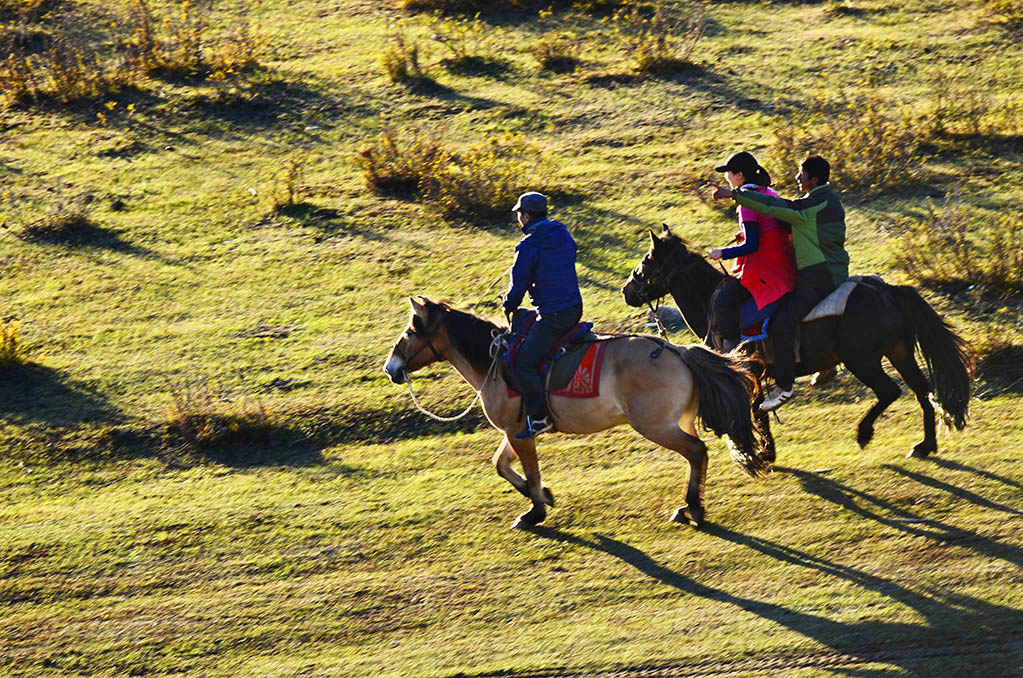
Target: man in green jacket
x,y
818,236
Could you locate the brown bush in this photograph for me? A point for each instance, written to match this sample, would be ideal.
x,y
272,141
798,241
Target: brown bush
x,y
872,145
952,247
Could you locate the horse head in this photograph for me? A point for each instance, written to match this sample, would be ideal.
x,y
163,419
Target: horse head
x,y
652,278
415,347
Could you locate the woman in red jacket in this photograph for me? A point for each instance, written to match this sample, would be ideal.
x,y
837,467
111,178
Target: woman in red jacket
x,y
764,259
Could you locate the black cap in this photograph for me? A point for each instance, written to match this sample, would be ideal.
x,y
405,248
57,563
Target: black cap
x,y
740,162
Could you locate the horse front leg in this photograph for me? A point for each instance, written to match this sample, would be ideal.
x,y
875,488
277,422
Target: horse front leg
x,y
533,487
763,420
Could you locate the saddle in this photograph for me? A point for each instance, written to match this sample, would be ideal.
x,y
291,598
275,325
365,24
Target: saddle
x,y
754,321
571,368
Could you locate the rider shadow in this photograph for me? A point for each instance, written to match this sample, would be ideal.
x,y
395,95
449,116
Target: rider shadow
x,y
957,466
960,621
905,521
971,497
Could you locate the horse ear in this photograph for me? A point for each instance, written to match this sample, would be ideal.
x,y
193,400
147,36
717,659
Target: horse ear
x,y
418,307
667,231
653,236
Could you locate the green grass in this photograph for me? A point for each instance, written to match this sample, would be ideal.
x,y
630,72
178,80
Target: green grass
x,y
366,540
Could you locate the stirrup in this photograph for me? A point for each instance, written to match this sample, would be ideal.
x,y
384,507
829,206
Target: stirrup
x,y
534,427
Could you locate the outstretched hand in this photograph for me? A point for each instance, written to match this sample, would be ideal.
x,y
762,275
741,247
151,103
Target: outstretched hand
x,y
720,192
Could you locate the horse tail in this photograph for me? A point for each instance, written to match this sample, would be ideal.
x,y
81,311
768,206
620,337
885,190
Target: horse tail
x,y
950,360
724,406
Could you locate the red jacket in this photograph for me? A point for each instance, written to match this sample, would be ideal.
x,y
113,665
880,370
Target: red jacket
x,y
770,271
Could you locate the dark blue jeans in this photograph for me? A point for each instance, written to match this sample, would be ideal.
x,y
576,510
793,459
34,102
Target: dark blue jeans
x,y
726,309
785,324
544,333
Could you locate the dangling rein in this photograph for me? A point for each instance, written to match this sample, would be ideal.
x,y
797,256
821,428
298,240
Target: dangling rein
x,y
495,352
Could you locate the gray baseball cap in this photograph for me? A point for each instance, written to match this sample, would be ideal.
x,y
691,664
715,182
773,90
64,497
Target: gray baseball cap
x,y
533,202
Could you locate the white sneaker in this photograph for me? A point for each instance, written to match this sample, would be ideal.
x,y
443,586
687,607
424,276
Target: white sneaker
x,y
776,399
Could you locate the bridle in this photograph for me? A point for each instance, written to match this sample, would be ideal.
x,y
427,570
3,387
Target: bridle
x,y
410,332
495,353
662,280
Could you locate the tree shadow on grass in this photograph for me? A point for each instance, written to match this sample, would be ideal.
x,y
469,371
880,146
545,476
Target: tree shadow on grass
x,y
268,444
31,393
955,625
82,233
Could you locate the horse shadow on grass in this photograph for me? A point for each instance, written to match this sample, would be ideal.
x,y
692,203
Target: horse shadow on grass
x,y
955,624
908,522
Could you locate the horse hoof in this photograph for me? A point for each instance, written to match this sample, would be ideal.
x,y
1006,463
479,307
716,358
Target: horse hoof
x,y
922,450
530,518
548,497
684,516
863,436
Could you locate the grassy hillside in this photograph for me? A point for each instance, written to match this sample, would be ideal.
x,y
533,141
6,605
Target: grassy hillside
x,y
205,472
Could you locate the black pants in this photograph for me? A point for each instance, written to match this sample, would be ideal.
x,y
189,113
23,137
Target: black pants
x,y
544,333
726,309
785,323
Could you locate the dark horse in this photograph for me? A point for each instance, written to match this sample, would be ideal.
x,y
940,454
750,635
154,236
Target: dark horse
x,y
659,389
879,320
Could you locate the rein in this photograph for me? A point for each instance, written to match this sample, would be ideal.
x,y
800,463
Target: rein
x,y
495,353
664,280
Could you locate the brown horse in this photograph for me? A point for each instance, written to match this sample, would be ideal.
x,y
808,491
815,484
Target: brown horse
x,y
659,389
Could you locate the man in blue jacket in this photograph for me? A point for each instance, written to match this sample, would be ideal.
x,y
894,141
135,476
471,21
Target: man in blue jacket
x,y
545,267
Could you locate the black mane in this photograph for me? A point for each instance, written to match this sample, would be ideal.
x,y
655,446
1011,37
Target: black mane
x,y
693,266
471,335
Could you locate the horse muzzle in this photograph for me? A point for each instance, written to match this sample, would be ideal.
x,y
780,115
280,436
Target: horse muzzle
x,y
395,369
632,295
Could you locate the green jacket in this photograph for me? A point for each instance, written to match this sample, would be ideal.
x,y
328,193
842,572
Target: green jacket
x,y
818,227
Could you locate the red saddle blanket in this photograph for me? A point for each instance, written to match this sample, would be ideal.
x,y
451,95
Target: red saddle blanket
x,y
585,381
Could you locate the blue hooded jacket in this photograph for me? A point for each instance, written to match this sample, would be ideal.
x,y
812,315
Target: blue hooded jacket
x,y
545,267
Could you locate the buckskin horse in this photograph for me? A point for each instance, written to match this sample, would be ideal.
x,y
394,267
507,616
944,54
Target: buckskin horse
x,y
879,320
658,388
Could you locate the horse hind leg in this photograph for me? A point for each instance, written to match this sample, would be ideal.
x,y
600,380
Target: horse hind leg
x,y
887,391
903,361
695,452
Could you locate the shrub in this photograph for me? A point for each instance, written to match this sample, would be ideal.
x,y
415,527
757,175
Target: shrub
x,y
400,60
557,52
23,10
396,166
65,70
657,37
12,350
1008,12
484,179
183,44
204,417
68,220
951,247
476,181
466,40
964,106
288,190
872,145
